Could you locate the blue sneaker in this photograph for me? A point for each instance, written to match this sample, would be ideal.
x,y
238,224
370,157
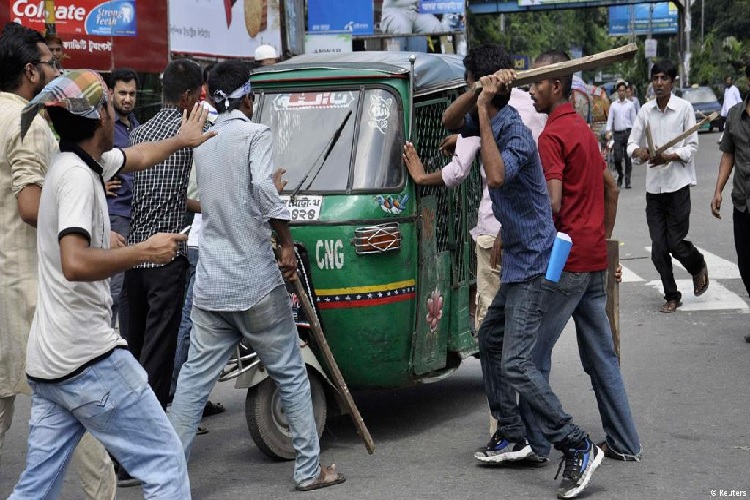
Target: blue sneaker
x,y
580,465
500,450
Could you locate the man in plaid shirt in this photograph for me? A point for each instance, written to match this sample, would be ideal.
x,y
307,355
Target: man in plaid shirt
x,y
159,196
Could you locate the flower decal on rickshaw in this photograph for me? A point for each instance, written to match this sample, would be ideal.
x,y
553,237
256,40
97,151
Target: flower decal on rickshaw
x,y
392,204
434,309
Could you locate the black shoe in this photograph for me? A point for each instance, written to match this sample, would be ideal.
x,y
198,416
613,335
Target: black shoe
x,y
580,464
125,480
627,185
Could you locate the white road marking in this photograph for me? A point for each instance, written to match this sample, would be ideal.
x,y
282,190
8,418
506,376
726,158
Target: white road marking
x,y
718,268
717,297
629,276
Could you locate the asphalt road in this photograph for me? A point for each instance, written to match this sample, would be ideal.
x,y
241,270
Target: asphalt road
x,y
687,375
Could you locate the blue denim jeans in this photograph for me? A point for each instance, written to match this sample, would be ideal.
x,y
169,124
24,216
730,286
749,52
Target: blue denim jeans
x,y
506,340
583,295
186,324
113,401
269,328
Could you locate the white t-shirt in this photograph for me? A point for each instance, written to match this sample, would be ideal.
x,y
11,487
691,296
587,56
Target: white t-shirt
x,y
71,324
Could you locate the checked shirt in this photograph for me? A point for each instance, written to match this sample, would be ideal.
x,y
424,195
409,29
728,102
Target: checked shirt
x,y
159,193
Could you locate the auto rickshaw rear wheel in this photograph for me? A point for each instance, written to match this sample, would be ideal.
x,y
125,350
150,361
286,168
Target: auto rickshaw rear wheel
x,y
267,422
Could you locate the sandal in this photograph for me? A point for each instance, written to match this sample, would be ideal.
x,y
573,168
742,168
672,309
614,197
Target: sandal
x,y
201,431
670,306
700,282
327,477
213,409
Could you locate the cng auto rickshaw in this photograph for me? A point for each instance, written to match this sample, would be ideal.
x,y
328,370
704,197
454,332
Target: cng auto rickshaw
x,y
388,265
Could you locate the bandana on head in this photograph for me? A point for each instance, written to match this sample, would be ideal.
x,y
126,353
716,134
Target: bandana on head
x,y
81,92
220,96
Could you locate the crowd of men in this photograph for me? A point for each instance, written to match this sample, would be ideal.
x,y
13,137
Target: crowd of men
x,y
93,232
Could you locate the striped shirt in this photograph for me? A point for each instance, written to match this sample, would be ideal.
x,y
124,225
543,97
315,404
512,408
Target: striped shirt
x,y
237,267
521,204
159,193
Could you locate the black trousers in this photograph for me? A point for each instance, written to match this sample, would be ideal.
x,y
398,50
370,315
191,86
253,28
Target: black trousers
x,y
668,218
156,297
621,146
742,245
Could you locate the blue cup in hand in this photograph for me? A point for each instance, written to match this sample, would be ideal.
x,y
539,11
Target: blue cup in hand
x,y
560,251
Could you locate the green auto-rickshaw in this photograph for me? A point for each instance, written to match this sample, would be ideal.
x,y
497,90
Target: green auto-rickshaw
x,y
388,265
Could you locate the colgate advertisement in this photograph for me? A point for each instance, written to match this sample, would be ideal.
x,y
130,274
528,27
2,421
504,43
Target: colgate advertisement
x,y
101,35
81,17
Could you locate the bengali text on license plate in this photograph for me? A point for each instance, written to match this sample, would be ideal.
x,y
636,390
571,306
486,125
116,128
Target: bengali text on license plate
x,y
305,207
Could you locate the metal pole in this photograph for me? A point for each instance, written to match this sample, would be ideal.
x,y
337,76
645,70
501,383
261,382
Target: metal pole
x,y
688,53
703,18
49,17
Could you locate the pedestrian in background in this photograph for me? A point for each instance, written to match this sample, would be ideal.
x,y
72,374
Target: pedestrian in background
x,y
735,155
123,92
26,66
55,45
669,176
632,96
622,115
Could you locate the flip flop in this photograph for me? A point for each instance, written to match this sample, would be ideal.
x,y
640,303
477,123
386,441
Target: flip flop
x,y
327,477
700,282
201,431
213,409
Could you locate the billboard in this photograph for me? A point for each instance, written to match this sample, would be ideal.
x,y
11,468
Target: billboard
x,y
640,19
224,28
79,17
354,16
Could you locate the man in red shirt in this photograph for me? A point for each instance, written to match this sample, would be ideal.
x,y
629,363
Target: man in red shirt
x,y
584,204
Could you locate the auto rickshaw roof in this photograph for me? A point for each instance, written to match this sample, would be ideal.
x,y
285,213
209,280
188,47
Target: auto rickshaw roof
x,y
432,72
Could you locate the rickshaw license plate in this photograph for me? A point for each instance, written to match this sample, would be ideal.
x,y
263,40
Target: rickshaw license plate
x,y
306,207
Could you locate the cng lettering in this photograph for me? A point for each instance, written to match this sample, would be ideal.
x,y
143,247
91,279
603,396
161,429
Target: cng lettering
x,y
329,254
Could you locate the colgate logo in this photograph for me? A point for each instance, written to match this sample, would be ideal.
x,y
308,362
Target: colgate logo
x,y
22,8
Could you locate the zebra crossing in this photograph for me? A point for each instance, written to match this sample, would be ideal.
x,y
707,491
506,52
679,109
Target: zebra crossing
x,y
717,297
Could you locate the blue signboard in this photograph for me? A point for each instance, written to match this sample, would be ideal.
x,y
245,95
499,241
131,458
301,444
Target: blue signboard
x,y
642,19
354,16
441,6
116,18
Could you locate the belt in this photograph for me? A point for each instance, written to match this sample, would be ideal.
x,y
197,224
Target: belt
x,y
621,131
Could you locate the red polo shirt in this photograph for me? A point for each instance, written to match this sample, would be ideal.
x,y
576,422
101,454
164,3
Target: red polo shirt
x,y
570,153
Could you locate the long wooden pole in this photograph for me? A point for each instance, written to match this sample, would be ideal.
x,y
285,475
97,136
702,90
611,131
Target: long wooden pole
x,y
573,66
338,378
613,293
687,133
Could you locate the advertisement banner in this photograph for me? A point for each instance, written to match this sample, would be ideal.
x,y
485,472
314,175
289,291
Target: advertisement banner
x,y
224,28
79,17
328,43
441,6
354,16
640,19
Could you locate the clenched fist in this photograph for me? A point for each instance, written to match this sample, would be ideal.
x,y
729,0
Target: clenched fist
x,y
161,248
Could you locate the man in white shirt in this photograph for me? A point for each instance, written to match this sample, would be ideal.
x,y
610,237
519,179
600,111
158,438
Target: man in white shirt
x,y
622,114
731,98
669,176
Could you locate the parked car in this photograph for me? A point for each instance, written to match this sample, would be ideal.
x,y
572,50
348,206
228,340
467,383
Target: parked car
x,y
704,103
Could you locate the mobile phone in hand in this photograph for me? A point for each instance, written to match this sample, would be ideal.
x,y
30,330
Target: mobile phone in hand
x,y
186,230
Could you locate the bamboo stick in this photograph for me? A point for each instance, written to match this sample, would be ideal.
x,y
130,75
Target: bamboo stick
x,y
573,66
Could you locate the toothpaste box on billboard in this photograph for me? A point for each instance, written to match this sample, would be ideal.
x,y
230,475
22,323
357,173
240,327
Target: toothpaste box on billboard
x,y
79,17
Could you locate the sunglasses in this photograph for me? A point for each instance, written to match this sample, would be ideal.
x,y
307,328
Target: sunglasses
x,y
54,63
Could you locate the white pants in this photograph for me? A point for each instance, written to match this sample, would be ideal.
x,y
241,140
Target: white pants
x,y
405,21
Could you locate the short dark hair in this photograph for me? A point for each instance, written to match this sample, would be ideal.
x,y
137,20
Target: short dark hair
x,y
555,56
70,127
124,75
207,70
18,47
621,84
228,76
665,66
52,38
180,75
486,59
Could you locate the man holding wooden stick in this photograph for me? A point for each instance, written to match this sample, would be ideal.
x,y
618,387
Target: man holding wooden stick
x,y
669,176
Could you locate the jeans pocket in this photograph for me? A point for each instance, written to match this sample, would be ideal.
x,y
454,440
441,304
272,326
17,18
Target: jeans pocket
x,y
569,284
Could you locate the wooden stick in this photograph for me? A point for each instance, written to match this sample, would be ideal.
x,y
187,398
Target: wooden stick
x,y
613,293
687,133
573,66
338,379
650,141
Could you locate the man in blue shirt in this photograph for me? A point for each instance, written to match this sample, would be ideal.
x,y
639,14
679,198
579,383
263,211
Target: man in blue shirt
x,y
123,88
506,338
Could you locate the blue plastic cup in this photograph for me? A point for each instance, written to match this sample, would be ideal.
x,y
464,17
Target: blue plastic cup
x,y
560,251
